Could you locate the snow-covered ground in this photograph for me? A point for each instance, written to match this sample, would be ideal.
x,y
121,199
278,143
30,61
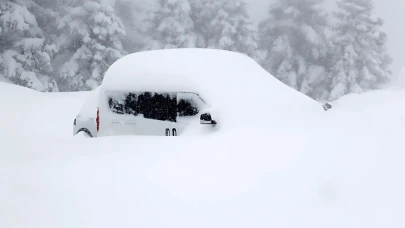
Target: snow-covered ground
x,y
302,167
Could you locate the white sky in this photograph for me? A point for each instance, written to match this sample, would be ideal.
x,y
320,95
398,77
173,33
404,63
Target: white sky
x,y
391,11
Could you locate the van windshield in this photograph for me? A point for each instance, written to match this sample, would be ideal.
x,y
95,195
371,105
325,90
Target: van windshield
x,y
158,106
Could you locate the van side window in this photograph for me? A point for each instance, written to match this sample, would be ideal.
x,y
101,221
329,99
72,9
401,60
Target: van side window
x,y
152,106
116,106
158,106
187,107
189,104
131,105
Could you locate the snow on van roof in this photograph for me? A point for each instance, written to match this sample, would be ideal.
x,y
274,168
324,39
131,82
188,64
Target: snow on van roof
x,y
146,71
178,70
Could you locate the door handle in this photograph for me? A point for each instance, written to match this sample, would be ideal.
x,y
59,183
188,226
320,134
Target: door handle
x,y
174,132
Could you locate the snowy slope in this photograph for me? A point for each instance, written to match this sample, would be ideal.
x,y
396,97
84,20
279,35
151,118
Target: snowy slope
x,y
341,168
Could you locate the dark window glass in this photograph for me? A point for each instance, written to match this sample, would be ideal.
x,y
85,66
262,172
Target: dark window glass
x,y
152,106
159,108
131,105
187,107
116,106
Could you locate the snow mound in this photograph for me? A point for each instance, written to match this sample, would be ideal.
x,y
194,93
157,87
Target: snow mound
x,y
18,92
232,83
26,112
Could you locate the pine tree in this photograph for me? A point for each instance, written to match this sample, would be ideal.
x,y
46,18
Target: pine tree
x,y
26,54
172,26
133,15
296,44
91,33
225,25
362,61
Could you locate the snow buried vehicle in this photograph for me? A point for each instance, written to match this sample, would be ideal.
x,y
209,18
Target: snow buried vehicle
x,y
177,92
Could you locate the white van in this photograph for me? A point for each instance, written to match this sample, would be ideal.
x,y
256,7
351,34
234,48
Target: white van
x,y
133,102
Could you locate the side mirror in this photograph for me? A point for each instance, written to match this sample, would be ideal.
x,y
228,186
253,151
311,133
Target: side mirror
x,y
206,118
327,106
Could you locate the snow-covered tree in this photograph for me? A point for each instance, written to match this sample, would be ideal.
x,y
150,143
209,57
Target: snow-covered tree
x,y
225,25
90,43
296,44
172,26
362,61
133,15
25,54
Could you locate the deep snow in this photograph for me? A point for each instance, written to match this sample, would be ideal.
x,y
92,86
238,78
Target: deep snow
x,y
308,168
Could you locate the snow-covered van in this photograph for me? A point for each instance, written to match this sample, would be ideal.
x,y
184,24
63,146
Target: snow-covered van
x,y
136,101
193,92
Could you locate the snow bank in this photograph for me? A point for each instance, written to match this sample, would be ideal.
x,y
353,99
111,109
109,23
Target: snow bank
x,y
26,113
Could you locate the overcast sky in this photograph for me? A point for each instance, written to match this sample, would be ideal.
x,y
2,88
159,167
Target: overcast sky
x,y
391,11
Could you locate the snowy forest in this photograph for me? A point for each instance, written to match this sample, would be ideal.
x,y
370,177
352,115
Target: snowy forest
x,y
67,45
